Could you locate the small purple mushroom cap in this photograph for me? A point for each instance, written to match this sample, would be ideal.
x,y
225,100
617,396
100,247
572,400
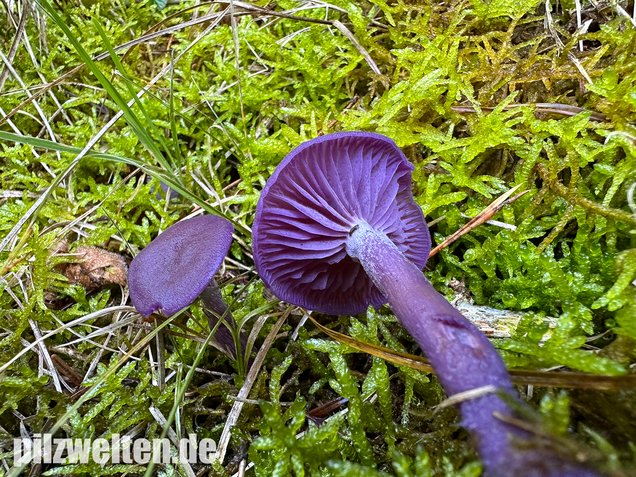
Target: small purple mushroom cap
x,y
173,270
319,192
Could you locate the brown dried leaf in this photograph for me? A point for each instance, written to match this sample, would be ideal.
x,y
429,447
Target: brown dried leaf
x,y
96,268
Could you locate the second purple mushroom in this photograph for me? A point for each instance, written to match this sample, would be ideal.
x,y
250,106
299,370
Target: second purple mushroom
x,y
337,230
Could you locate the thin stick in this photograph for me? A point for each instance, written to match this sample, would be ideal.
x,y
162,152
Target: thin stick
x,y
479,219
557,108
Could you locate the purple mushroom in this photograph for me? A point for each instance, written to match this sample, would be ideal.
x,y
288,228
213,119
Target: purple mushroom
x,y
337,230
179,266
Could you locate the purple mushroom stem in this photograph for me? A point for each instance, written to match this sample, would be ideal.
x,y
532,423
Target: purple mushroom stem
x,y
213,301
464,359
216,309
462,356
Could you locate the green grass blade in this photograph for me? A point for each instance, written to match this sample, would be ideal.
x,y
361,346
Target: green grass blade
x,y
132,120
152,171
151,129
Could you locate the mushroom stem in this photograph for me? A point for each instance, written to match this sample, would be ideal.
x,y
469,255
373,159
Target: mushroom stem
x,y
462,356
215,308
213,300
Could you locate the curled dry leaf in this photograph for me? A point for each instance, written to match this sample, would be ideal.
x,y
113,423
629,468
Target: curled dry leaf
x,y
96,268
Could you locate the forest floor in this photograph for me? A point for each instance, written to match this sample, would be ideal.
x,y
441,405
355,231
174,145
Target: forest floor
x,y
103,103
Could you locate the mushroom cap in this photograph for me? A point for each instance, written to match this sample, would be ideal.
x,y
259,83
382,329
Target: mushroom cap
x,y
316,195
172,271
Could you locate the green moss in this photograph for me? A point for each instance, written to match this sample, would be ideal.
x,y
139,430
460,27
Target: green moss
x,y
457,91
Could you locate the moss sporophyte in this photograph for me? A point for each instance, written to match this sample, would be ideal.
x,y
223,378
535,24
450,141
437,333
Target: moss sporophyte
x,y
337,230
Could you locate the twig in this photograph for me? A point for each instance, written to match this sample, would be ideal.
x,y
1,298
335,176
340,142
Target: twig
x,y
557,108
67,370
482,217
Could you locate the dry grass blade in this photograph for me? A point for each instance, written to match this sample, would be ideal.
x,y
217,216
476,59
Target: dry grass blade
x,y
554,108
161,359
482,217
558,379
395,357
100,331
26,12
572,380
172,435
65,326
52,370
345,31
16,76
244,392
577,4
466,396
623,13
